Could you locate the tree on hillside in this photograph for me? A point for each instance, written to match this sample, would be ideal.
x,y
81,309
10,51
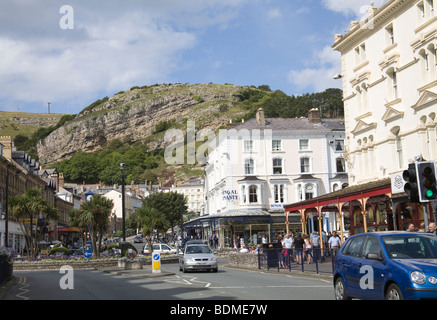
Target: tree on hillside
x,y
33,212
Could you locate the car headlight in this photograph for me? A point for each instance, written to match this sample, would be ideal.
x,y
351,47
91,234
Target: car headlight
x,y
432,280
418,277
213,259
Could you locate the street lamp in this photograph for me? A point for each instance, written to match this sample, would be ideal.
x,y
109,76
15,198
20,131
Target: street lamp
x,y
122,201
123,244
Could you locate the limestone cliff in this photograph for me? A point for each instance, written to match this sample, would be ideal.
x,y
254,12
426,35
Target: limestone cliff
x,y
133,115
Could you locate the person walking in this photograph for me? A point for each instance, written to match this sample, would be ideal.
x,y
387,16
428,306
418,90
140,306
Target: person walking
x,y
334,243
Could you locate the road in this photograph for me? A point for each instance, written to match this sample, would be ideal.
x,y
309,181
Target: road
x,y
226,284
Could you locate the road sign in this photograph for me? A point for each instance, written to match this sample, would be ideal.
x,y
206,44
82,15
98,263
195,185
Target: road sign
x,y
88,254
156,262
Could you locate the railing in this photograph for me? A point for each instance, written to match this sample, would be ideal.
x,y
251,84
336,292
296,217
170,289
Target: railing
x,y
313,260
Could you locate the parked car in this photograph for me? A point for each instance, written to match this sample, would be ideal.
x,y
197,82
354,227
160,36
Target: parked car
x,y
159,247
138,239
390,265
197,256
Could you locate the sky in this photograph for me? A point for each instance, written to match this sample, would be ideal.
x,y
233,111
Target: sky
x,y
72,53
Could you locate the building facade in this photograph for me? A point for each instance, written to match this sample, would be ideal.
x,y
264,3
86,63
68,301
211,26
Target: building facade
x,y
258,166
389,76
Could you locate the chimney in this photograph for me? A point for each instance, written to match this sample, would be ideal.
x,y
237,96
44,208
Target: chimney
x,y
6,141
260,117
314,116
61,179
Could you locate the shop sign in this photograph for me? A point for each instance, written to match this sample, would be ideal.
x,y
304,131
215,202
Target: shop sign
x,y
230,195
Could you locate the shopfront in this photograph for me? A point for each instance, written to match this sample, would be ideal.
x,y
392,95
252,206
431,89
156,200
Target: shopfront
x,y
362,208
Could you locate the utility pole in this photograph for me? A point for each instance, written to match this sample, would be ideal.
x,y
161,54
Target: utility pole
x,y
48,104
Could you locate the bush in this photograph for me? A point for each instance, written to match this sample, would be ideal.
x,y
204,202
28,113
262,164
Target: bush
x,y
59,249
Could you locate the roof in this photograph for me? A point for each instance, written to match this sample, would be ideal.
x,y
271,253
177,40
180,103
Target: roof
x,y
294,124
350,193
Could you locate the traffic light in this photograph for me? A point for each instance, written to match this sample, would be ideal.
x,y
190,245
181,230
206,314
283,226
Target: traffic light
x,y
410,187
426,174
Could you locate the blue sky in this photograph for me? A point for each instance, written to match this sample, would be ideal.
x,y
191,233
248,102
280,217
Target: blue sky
x,y
114,45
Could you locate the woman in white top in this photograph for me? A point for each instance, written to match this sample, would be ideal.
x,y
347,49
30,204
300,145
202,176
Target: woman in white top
x,y
308,247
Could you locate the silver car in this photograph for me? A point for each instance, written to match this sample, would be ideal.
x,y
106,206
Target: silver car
x,y
197,257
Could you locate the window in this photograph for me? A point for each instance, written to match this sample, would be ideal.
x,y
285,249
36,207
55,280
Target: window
x,y
304,144
278,191
249,167
339,144
248,145
340,165
372,246
309,191
277,166
243,192
390,35
253,197
354,247
304,165
393,83
360,54
276,145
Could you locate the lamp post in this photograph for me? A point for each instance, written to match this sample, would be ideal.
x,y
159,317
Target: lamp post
x,y
122,201
123,244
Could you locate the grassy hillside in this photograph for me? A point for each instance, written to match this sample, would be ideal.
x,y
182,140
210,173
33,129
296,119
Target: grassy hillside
x,y
25,123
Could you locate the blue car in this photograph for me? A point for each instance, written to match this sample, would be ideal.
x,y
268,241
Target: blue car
x,y
391,265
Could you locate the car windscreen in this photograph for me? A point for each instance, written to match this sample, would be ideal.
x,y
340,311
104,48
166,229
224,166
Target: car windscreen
x,y
411,246
197,249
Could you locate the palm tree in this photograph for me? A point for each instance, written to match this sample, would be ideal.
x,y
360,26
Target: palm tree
x,y
149,219
28,208
95,214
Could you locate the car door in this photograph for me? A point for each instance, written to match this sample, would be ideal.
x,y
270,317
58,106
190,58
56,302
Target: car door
x,y
372,269
349,263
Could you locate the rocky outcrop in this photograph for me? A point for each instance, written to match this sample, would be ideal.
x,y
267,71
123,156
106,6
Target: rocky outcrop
x,y
133,115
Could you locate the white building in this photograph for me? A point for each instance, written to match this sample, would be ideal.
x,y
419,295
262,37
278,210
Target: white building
x,y
262,164
194,192
389,72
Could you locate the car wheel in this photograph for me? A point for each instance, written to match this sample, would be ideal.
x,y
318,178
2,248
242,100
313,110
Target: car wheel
x,y
393,293
340,290
215,270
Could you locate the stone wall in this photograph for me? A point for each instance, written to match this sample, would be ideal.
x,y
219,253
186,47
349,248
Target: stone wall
x,y
243,260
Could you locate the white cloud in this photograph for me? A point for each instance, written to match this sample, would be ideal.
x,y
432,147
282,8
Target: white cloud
x,y
320,77
274,13
115,45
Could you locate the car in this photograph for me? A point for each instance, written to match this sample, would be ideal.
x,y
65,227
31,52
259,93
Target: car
x,y
159,247
138,239
197,256
391,265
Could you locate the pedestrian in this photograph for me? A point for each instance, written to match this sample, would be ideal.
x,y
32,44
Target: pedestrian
x,y
315,238
334,243
298,248
215,239
278,248
422,227
308,248
287,243
410,228
432,228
